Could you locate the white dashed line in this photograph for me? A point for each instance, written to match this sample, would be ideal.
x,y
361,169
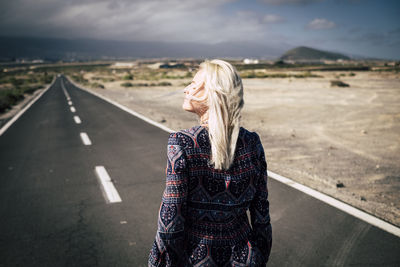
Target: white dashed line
x,y
109,192
72,109
85,139
70,103
65,91
77,120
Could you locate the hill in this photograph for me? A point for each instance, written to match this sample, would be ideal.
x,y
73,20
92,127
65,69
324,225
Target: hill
x,y
303,53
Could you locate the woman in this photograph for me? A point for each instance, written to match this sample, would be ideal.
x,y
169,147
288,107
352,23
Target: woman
x,y
216,171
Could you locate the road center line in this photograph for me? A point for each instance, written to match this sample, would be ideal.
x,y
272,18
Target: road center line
x,y
110,193
70,103
85,139
72,109
77,120
65,91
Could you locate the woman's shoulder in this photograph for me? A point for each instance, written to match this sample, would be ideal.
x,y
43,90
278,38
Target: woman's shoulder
x,y
190,136
198,136
248,137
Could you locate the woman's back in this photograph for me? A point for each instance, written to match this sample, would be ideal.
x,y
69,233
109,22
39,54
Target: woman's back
x,y
203,219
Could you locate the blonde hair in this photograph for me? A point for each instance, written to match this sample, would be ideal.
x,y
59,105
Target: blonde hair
x,y
224,92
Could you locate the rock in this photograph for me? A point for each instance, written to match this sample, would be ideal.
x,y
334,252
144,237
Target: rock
x,y
339,185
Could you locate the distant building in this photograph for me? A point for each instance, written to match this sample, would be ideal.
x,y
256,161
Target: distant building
x,y
250,61
393,63
155,65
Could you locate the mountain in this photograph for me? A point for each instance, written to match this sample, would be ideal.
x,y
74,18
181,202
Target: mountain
x,y
89,49
303,53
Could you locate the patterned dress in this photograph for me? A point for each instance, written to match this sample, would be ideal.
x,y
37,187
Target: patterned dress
x,y
203,217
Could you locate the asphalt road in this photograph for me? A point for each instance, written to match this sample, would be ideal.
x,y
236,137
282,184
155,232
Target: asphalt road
x,y
54,213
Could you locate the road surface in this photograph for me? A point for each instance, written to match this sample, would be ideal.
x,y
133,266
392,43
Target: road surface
x,y
55,210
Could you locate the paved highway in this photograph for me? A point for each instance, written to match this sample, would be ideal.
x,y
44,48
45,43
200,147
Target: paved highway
x,y
56,208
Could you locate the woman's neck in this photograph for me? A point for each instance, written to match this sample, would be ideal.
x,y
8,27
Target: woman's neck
x,y
204,119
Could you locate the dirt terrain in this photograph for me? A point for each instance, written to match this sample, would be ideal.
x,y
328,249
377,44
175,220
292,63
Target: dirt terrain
x,y
342,141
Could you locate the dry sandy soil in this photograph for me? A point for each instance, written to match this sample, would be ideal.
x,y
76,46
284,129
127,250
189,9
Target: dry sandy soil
x,y
313,133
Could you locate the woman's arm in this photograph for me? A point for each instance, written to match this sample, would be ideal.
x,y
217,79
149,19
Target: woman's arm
x,y
168,247
259,208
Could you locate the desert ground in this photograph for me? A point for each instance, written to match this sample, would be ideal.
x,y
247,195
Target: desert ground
x,y
342,141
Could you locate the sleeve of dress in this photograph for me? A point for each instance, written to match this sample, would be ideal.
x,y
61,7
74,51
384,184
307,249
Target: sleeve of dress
x,y
168,247
259,208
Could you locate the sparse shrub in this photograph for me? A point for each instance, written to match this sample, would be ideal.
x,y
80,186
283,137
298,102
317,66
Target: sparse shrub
x,y
307,75
128,77
259,74
279,63
142,84
29,89
352,74
79,79
9,97
3,105
164,84
338,83
275,75
248,74
16,82
46,78
17,87
126,84
105,80
165,75
97,85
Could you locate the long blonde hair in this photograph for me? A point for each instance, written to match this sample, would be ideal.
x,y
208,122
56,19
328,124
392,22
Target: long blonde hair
x,y
225,101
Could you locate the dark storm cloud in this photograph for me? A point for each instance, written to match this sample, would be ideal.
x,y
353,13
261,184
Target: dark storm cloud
x,y
154,20
290,2
385,38
306,2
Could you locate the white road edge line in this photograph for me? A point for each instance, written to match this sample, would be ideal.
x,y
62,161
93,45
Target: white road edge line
x,y
22,111
338,204
77,120
85,139
318,195
110,193
72,109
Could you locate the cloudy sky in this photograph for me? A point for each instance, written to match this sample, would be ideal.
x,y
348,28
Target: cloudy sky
x,y
361,27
